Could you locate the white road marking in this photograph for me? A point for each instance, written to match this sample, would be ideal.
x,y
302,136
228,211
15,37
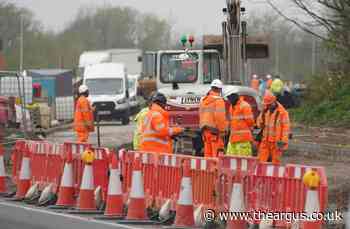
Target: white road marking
x,y
68,216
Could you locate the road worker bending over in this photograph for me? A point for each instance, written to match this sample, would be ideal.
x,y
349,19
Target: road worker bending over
x,y
84,116
155,131
274,122
241,125
212,120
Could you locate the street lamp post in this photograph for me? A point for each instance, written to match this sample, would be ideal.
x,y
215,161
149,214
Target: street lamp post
x,y
21,48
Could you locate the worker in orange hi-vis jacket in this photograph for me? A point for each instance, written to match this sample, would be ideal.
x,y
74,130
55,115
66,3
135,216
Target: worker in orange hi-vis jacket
x,y
156,134
274,121
83,117
255,83
212,120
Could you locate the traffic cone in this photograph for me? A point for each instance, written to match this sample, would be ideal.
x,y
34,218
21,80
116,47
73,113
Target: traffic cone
x,y
86,194
312,204
3,188
184,206
66,191
137,205
114,195
23,183
237,205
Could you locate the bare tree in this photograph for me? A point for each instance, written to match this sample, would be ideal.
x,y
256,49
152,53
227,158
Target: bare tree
x,y
332,16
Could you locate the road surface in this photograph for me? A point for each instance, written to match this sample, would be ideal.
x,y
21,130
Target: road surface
x,y
17,215
111,136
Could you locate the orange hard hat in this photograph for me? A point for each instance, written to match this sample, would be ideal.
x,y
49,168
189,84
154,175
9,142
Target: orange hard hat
x,y
269,98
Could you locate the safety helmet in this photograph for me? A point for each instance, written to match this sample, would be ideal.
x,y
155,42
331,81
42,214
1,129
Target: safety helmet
x,y
255,76
83,88
269,76
269,98
159,98
229,90
217,83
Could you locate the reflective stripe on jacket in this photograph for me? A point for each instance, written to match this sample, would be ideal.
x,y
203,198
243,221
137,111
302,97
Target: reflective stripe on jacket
x,y
83,116
241,122
155,131
276,125
212,113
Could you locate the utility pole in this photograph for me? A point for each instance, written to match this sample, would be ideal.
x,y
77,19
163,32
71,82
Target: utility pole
x,y
21,48
313,64
277,55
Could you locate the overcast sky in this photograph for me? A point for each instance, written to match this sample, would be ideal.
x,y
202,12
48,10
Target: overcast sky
x,y
197,16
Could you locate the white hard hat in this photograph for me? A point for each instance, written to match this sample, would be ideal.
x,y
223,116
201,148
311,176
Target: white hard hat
x,y
83,88
217,83
255,76
268,76
229,90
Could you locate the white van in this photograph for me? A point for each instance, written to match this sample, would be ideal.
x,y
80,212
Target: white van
x,y
109,91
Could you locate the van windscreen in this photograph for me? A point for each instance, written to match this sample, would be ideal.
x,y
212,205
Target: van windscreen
x,y
105,86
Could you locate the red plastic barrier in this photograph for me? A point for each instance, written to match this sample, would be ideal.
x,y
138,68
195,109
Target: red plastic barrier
x,y
267,193
296,200
55,165
233,168
39,163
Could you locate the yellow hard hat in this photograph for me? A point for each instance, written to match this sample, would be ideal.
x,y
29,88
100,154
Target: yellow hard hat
x,y
88,156
311,179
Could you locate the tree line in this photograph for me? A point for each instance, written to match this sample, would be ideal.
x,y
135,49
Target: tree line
x,y
104,27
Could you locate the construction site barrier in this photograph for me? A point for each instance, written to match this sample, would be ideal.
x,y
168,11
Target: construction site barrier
x,y
162,175
46,164
233,169
266,187
295,201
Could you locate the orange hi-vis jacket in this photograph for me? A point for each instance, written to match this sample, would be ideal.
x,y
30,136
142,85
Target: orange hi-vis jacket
x,y
155,131
84,116
255,84
275,126
242,122
212,113
268,83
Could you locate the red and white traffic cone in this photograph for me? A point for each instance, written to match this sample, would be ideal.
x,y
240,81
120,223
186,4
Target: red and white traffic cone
x,y
23,183
114,195
86,194
137,205
312,205
237,205
184,206
3,188
66,191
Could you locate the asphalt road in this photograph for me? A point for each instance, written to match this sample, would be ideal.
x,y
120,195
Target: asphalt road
x,y
111,136
18,216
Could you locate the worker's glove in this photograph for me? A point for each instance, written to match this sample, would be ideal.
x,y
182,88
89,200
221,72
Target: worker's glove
x,y
281,145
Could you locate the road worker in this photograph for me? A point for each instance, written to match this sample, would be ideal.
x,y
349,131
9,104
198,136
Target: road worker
x,y
212,120
139,120
241,125
277,86
83,117
255,83
268,81
156,135
274,122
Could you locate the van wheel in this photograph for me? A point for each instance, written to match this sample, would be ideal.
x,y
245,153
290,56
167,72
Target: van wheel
x,y
126,120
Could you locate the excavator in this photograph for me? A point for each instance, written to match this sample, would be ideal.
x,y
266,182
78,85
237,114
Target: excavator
x,y
184,76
